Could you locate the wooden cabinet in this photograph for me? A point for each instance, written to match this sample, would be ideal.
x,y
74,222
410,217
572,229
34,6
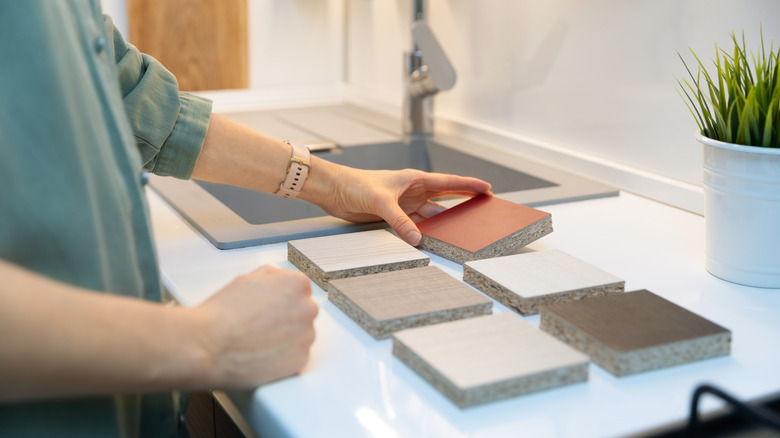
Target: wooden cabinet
x,y
203,42
212,415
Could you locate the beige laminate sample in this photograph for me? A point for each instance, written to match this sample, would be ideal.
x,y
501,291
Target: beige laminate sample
x,y
349,255
635,331
525,282
390,301
488,358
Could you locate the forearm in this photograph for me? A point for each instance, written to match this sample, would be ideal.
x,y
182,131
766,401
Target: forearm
x,y
235,155
59,340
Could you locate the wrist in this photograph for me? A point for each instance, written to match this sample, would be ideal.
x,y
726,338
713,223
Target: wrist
x,y
297,171
196,349
322,184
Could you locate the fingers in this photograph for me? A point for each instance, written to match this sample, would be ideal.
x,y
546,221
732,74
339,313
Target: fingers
x,y
309,310
291,281
416,218
402,224
432,184
429,209
454,185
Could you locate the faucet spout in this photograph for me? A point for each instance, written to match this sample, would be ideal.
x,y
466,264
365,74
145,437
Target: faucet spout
x,y
428,71
435,72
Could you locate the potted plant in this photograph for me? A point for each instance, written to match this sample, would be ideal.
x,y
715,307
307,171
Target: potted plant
x,y
737,110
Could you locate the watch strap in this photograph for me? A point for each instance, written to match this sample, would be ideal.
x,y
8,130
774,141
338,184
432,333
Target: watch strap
x,y
297,172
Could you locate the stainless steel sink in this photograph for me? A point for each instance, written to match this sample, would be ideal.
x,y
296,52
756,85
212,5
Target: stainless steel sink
x,y
232,217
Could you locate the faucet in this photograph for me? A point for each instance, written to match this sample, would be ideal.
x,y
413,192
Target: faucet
x,y
427,71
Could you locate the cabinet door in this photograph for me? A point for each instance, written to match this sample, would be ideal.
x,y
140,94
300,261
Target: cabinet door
x,y
203,42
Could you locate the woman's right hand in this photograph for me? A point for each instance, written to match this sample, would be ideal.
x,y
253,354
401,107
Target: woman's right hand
x,y
259,328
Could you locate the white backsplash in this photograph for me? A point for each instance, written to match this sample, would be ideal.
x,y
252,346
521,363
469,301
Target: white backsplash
x,y
594,76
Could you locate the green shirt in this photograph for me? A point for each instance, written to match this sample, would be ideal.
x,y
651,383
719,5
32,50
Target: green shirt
x,y
82,115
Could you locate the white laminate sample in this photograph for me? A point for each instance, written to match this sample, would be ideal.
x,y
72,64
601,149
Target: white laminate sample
x,y
488,358
346,255
525,282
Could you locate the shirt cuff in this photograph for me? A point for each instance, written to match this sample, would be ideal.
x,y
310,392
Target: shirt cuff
x,y
180,152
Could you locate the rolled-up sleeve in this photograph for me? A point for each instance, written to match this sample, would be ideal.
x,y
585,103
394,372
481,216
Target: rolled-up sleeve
x,y
169,125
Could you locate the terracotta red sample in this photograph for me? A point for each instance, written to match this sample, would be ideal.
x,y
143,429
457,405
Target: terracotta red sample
x,y
484,226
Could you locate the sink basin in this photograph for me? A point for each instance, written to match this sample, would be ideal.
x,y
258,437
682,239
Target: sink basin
x,y
232,217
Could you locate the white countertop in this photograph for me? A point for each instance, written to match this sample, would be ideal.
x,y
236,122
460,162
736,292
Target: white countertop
x,y
354,387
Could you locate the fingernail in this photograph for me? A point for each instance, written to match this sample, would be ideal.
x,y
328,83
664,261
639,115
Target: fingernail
x,y
414,237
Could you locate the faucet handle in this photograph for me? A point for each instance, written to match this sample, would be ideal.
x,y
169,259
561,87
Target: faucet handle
x,y
439,68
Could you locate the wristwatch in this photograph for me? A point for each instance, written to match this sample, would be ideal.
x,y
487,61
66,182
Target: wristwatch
x,y
297,172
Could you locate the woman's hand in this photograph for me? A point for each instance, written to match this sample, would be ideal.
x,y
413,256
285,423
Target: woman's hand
x,y
401,198
258,328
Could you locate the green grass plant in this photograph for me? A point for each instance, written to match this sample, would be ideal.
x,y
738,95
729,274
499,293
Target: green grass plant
x,y
739,104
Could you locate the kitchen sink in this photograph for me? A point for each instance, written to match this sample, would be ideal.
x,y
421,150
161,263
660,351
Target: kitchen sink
x,y
232,217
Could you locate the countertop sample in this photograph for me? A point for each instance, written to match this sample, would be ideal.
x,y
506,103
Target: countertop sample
x,y
525,282
390,301
483,359
483,227
353,386
635,332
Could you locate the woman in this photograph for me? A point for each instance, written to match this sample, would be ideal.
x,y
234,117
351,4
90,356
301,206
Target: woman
x,y
86,348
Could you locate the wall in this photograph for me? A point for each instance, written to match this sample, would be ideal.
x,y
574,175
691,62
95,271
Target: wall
x,y
593,81
296,52
587,85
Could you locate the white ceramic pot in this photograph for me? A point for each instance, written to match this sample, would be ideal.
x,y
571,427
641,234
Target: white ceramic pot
x,y
742,212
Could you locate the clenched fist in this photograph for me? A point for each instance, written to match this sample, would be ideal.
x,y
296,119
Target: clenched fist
x,y
260,327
